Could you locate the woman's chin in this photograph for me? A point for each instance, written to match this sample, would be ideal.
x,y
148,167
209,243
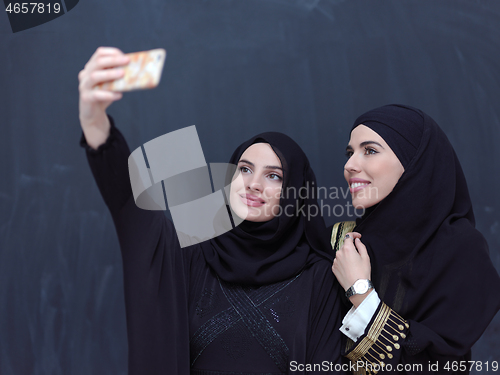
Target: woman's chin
x,y
256,217
360,205
251,214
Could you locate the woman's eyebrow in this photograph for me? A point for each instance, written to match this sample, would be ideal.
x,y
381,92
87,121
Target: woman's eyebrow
x,y
246,162
363,144
273,167
366,143
265,167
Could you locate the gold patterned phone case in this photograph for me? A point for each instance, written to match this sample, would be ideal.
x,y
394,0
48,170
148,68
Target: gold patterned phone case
x,y
142,72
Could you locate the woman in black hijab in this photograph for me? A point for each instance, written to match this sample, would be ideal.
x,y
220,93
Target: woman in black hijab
x,y
430,267
259,299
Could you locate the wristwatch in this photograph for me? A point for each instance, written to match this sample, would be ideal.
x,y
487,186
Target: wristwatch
x,y
360,286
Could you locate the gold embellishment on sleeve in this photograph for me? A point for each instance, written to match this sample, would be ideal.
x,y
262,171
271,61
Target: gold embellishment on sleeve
x,y
339,231
351,344
381,340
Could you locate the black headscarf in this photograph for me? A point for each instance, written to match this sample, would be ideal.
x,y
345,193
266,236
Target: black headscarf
x,y
429,263
267,252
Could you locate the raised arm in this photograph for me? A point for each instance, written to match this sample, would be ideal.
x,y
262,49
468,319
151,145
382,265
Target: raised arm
x,y
154,267
139,231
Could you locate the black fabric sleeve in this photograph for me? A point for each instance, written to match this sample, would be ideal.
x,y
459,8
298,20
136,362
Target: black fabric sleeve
x,y
138,230
324,345
154,266
109,167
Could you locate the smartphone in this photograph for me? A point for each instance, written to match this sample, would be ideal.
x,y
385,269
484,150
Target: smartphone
x,y
142,72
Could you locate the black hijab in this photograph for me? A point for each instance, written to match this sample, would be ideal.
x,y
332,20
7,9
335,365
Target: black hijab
x,y
429,263
267,252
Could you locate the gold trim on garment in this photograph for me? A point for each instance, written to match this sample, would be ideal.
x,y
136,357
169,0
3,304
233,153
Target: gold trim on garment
x,y
338,233
382,340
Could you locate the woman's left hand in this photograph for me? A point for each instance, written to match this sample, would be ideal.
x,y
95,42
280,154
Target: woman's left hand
x,y
352,263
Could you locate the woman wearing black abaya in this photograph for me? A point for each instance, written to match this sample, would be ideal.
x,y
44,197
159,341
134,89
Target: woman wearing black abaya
x,y
429,266
260,299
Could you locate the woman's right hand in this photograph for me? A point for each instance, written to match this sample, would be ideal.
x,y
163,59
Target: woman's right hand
x,y
352,263
104,65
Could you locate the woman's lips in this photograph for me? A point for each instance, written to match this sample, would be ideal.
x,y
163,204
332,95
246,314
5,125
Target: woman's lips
x,y
356,185
252,200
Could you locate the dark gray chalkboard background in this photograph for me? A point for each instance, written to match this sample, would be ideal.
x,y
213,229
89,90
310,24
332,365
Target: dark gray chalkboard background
x,y
234,68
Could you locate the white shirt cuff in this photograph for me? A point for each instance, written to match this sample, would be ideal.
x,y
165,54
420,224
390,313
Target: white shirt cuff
x,y
356,320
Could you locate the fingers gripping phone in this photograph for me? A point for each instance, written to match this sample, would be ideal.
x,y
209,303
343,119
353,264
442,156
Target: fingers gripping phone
x,y
142,72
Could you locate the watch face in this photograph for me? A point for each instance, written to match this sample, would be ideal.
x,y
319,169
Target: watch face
x,y
361,286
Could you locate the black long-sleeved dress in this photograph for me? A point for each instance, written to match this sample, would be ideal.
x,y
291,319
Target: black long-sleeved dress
x,y
181,318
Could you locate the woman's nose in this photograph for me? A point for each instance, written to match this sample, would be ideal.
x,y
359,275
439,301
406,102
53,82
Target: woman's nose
x,y
254,183
352,165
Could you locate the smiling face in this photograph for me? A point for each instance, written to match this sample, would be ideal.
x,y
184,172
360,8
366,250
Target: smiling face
x,y
372,170
256,188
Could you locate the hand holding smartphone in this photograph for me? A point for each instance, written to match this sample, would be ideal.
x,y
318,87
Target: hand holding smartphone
x,y
142,72
108,72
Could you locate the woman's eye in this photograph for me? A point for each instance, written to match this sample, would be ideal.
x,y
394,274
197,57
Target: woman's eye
x,y
244,170
370,151
348,154
275,176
